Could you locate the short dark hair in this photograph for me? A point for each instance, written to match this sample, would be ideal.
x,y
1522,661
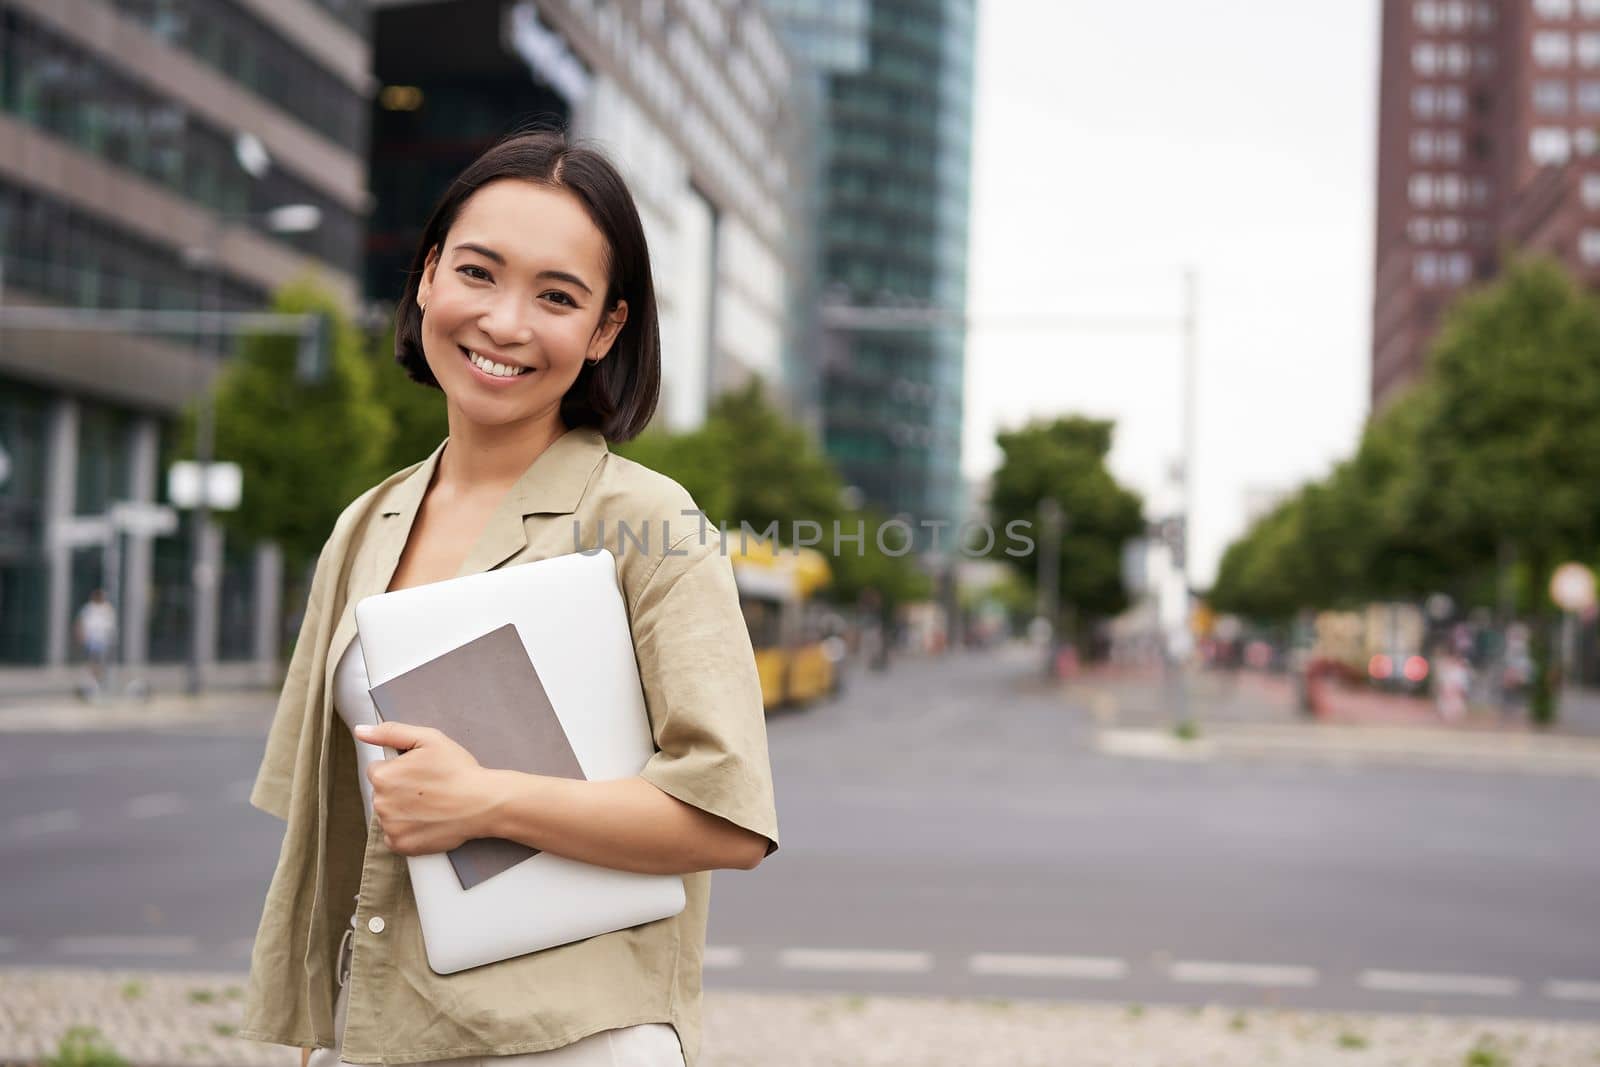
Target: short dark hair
x,y
618,395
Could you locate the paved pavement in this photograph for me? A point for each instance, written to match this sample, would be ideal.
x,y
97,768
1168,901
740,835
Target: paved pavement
x,y
188,1020
950,829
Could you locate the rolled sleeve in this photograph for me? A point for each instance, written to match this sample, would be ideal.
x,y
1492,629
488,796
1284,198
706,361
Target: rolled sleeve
x,y
275,777
701,688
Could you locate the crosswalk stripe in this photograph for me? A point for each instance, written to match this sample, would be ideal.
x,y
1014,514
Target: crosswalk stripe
x,y
114,945
1472,985
1207,972
46,822
153,805
1572,990
855,960
723,957
1019,965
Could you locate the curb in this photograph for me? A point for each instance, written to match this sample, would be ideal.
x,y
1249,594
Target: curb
x,y
1498,753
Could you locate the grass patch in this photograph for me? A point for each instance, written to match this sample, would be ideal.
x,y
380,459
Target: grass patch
x,y
1239,1022
1136,1011
201,996
224,1029
1187,730
132,990
1351,1039
233,992
82,1046
1484,1054
855,1003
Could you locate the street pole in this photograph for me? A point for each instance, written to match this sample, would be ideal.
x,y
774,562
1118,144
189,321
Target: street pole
x,y
201,577
1178,675
1049,576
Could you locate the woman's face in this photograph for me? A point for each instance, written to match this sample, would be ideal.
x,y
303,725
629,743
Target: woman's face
x,y
513,303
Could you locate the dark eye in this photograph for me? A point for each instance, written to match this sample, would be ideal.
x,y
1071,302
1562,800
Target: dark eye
x,y
473,271
560,297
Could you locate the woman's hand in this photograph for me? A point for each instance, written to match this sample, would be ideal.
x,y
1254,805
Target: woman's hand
x,y
431,797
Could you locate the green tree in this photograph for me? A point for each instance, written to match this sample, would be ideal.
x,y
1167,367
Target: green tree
x,y
416,411
1066,459
1510,455
750,463
307,448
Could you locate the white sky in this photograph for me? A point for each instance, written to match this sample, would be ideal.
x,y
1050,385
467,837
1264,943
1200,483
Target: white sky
x,y
1116,141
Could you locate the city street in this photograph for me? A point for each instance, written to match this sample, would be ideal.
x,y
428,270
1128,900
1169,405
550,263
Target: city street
x,y
948,828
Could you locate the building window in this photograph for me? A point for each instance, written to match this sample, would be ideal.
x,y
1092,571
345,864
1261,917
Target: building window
x,y
1426,13
1553,9
1549,145
1588,50
1589,9
1591,191
1589,98
1457,268
1483,59
1480,191
1584,141
1425,59
1589,246
1425,268
1552,49
1420,190
1550,97
1485,15
1418,229
1449,231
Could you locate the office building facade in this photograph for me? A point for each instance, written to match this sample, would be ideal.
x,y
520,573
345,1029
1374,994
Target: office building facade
x,y
896,77
141,144
1487,143
695,100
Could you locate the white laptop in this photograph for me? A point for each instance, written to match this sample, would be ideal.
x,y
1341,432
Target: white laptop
x,y
571,618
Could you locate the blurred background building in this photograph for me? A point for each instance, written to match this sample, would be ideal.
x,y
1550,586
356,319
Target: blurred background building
x,y
697,102
897,80
1487,141
143,144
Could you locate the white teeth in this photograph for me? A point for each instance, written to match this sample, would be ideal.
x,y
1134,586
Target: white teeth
x,y
499,370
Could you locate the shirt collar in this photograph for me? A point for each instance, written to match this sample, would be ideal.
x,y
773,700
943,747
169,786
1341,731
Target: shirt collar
x,y
553,484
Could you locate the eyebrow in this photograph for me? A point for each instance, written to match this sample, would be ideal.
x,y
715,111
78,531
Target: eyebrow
x,y
491,254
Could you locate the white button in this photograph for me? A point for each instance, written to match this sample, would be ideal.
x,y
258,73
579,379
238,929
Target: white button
x,y
375,924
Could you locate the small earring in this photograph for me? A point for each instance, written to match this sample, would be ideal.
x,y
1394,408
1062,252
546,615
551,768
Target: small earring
x,y
423,306
593,361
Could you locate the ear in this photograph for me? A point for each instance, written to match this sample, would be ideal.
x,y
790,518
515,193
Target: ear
x,y
603,338
429,267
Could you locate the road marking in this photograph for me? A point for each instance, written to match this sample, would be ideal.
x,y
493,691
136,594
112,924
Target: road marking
x,y
857,960
1572,990
1018,965
46,822
1206,972
153,805
111,945
1471,985
723,957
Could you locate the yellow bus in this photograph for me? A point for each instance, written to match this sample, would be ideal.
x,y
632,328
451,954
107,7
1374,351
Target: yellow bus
x,y
776,586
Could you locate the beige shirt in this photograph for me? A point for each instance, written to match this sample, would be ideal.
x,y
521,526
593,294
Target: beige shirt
x,y
704,701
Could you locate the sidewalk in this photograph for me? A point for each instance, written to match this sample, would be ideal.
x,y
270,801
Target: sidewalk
x,y
227,709
188,1020
1256,716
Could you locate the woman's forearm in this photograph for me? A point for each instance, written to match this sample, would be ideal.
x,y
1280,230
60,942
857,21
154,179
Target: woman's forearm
x,y
626,824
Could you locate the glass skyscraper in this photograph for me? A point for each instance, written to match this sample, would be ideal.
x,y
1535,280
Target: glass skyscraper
x,y
897,81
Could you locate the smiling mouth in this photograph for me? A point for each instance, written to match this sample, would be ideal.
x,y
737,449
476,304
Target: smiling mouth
x,y
490,367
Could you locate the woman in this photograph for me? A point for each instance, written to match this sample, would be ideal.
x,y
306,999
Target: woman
x,y
530,305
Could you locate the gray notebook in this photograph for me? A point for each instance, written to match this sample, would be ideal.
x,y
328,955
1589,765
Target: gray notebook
x,y
486,696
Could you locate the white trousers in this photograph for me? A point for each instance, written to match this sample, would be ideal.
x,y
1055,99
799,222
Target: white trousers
x,y
643,1045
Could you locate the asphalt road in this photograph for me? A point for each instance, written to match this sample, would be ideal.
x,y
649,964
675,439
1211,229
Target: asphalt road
x,y
947,828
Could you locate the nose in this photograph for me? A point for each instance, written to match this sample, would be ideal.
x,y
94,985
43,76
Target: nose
x,y
508,320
